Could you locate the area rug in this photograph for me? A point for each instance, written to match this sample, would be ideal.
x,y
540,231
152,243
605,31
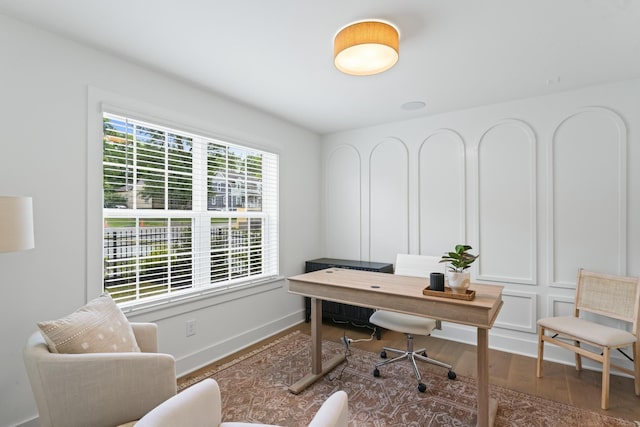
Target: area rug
x,y
254,389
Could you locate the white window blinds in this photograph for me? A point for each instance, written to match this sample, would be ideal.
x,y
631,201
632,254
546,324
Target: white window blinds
x,y
184,213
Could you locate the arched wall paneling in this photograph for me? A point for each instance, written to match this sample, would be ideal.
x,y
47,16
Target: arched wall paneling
x,y
519,311
588,206
506,189
441,192
343,194
388,200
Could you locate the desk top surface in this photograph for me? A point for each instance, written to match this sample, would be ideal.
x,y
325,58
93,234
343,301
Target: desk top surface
x,y
398,293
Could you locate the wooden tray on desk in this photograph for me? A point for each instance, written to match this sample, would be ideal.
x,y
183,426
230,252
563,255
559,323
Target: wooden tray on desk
x,y
448,293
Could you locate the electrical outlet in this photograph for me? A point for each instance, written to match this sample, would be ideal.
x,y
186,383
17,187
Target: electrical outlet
x,y
191,327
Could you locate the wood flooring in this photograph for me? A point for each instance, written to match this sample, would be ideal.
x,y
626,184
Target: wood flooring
x,y
561,383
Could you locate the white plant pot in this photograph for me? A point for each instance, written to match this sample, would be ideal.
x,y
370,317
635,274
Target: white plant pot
x,y
459,282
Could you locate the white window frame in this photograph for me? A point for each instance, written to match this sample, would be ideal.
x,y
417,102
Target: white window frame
x,y
99,102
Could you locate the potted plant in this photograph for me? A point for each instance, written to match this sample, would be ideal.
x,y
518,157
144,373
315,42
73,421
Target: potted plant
x,y
459,261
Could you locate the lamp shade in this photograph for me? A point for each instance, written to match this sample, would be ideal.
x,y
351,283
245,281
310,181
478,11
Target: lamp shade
x,y
16,223
365,48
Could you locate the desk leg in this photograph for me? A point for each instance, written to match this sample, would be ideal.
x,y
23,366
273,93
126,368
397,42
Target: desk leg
x,y
487,408
316,336
317,368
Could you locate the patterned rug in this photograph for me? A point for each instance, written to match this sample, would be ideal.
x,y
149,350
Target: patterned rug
x,y
254,389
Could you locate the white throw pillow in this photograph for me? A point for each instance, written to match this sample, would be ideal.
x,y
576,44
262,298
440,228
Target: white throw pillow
x,y
98,327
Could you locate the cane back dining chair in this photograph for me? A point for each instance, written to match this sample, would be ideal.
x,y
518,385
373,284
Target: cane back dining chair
x,y
599,299
410,325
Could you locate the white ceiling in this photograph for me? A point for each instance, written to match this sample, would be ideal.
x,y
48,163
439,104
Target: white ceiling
x,y
276,55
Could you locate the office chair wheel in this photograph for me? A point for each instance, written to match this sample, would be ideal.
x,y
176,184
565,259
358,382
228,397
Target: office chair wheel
x,y
451,375
422,388
424,354
383,354
376,372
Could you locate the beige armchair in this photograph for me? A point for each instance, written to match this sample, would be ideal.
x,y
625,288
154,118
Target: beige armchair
x,y
201,406
99,389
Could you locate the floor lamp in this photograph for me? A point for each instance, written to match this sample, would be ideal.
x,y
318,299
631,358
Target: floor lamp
x,y
16,223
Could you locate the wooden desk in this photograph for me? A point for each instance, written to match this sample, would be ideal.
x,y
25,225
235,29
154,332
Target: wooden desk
x,y
402,294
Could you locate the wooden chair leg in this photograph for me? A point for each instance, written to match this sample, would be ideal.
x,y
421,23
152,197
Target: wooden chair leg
x,y
578,357
606,363
636,366
540,352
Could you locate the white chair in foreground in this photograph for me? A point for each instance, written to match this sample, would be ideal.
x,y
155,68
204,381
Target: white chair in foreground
x,y
410,325
606,296
201,406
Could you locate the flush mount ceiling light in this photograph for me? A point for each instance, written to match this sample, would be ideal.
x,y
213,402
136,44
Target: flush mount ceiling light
x,y
366,47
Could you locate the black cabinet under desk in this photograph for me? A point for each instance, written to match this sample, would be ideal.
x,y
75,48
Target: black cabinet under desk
x,y
341,313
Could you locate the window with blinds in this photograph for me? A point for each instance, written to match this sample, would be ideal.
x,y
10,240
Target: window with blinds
x,y
184,213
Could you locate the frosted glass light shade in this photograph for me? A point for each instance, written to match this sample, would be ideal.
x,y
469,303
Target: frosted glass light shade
x,y
366,48
16,223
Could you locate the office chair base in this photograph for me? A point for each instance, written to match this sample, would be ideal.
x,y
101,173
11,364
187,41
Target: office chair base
x,y
412,356
421,386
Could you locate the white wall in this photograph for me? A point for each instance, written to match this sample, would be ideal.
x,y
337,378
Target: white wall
x,y
44,87
539,187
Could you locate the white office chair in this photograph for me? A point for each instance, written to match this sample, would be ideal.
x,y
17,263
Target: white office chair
x,y
419,266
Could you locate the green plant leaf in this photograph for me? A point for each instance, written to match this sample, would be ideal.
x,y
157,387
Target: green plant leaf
x,y
459,260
